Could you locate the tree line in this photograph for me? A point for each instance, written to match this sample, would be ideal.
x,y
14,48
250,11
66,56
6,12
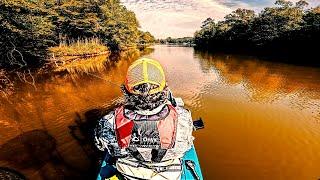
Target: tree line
x,y
29,27
170,40
288,30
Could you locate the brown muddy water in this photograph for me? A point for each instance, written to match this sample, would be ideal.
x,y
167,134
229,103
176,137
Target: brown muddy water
x,y
262,119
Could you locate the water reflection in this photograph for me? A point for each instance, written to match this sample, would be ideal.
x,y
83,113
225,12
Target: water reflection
x,y
285,118
264,80
45,129
259,116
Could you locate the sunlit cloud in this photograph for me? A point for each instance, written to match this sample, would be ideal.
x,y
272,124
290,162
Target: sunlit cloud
x,y
180,18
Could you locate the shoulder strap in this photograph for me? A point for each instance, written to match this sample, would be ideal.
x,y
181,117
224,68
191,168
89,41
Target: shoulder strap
x,y
123,128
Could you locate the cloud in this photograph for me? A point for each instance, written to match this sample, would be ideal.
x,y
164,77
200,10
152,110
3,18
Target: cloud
x,y
175,18
179,18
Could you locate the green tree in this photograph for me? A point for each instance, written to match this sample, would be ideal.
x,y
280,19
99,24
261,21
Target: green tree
x,y
207,23
312,18
26,31
240,16
169,40
207,32
107,19
302,4
77,18
311,24
238,22
286,28
146,38
284,3
119,25
29,27
274,22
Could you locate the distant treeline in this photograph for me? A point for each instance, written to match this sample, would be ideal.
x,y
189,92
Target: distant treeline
x,y
287,30
29,27
184,40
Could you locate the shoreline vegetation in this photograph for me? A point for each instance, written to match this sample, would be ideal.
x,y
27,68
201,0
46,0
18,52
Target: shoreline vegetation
x,y
31,30
78,56
80,35
80,48
287,32
73,36
185,41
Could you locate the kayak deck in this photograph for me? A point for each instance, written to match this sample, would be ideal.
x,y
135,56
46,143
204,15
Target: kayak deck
x,y
191,155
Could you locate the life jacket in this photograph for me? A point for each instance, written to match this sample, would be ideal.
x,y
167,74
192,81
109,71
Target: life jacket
x,y
156,132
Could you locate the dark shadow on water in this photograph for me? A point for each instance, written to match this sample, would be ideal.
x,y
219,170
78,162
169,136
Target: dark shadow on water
x,y
37,150
30,149
83,132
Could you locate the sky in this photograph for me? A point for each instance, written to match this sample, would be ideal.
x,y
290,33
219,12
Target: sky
x,y
181,18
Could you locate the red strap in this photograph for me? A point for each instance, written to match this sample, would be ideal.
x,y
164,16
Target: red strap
x,y
167,129
123,128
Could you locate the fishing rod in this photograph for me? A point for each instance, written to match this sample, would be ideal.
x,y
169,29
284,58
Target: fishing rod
x,y
106,80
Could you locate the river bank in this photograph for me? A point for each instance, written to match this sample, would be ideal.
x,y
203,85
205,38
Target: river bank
x,y
70,66
30,28
286,32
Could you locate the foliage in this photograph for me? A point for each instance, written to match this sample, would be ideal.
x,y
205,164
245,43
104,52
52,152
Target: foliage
x,y
78,48
29,27
26,30
280,29
311,22
184,40
106,19
79,56
146,38
82,65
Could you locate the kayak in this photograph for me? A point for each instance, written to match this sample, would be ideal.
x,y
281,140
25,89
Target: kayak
x,y
192,171
190,162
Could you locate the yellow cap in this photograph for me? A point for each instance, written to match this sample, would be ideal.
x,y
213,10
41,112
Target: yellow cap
x,y
145,70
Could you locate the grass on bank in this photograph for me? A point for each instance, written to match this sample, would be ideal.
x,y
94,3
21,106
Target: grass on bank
x,y
78,56
86,65
84,47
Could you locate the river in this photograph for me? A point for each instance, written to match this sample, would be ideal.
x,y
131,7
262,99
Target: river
x,y
262,119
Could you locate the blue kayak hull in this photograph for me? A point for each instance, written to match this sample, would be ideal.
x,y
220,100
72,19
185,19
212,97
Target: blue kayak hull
x,y
191,155
108,170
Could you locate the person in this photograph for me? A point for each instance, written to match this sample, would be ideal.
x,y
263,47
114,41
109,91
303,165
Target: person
x,y
151,131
